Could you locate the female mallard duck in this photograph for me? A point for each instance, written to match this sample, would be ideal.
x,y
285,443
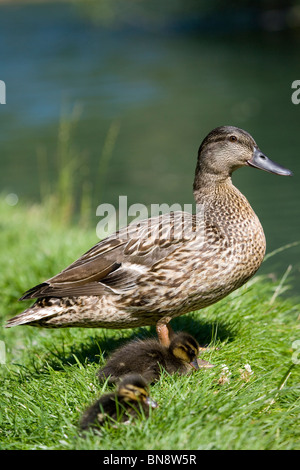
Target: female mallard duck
x,y
130,399
160,268
149,356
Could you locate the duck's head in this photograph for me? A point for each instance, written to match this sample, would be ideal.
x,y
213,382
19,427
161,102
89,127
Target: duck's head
x,y
133,388
227,148
185,348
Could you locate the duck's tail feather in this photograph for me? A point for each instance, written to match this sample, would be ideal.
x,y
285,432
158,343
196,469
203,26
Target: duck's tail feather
x,y
34,315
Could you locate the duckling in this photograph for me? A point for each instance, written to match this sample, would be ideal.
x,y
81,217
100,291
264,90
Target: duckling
x,y
148,357
159,268
130,399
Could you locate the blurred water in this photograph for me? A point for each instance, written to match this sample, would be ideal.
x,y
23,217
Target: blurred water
x,y
166,91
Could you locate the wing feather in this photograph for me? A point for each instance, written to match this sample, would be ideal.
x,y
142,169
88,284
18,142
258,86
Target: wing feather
x,y
117,261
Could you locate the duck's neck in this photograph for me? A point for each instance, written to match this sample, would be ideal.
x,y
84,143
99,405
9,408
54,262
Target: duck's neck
x,y
208,186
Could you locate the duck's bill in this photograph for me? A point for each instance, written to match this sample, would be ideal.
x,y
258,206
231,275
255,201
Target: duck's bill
x,y
151,403
261,161
194,364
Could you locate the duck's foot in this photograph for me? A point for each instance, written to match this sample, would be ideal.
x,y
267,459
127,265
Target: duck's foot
x,y
165,333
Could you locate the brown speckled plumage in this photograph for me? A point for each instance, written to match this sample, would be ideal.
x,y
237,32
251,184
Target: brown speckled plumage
x,y
140,277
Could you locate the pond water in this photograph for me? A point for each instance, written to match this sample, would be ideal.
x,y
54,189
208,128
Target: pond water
x,y
161,92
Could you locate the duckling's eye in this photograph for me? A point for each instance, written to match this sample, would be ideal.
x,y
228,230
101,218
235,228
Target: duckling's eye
x,y
233,138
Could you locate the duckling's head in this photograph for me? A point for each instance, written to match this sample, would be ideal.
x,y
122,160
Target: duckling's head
x,y
133,388
227,148
185,348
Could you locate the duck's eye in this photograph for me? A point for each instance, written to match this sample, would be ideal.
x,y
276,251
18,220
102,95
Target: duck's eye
x,y
233,138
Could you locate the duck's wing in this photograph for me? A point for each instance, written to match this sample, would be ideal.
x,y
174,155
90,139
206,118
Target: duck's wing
x,y
115,263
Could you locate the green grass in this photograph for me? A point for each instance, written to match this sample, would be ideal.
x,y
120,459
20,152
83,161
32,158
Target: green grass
x,y
50,375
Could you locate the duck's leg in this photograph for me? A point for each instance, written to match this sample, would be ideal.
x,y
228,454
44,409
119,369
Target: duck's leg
x,y
164,332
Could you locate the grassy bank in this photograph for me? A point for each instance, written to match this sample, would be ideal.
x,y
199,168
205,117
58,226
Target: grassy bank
x,y
249,400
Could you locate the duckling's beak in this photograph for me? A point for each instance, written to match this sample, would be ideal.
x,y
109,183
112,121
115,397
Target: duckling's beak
x,y
151,403
261,161
194,364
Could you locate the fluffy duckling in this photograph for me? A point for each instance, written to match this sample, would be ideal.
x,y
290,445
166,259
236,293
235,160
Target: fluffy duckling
x,y
148,357
131,397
